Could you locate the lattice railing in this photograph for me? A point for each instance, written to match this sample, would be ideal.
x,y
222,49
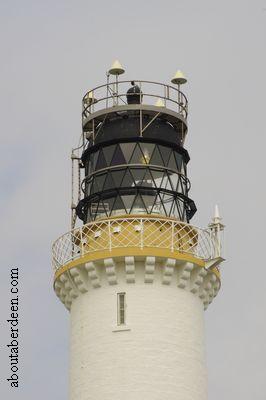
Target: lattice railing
x,y
133,232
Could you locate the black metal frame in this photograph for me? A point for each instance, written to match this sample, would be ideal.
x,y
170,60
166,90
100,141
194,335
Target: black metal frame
x,y
83,206
151,179
185,183
92,149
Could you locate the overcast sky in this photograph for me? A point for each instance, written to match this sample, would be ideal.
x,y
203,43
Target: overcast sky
x,y
52,52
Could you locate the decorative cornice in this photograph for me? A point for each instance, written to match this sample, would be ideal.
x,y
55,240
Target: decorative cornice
x,y
188,276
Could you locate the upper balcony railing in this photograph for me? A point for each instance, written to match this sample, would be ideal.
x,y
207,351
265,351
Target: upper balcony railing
x,y
133,232
152,94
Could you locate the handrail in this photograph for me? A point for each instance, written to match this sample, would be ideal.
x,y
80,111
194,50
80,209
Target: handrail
x,y
171,96
133,231
160,168
136,81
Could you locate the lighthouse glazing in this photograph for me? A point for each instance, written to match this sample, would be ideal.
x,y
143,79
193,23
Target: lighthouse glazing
x,y
136,276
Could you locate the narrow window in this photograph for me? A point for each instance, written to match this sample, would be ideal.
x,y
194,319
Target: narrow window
x,y
121,319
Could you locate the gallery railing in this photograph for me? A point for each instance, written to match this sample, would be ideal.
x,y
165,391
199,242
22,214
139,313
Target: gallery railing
x,y
133,232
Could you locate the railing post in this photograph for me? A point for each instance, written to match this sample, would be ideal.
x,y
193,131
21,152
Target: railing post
x,y
211,244
110,236
178,88
93,101
81,241
72,246
172,236
117,90
141,233
196,249
217,240
107,91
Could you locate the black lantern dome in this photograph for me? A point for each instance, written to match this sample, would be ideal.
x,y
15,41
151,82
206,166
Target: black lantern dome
x,y
134,158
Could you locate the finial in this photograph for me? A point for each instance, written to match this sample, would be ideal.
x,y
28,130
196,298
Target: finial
x,y
216,220
116,68
179,78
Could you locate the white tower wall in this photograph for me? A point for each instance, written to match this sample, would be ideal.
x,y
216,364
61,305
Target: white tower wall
x,y
158,354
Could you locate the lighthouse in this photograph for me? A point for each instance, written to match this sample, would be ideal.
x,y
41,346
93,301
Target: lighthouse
x,y
134,273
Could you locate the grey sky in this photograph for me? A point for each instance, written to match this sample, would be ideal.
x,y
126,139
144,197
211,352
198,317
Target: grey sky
x,y
52,52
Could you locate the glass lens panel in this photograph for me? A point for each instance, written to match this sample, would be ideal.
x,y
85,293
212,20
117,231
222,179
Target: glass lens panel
x,y
165,181
88,187
108,153
174,180
138,174
100,179
169,184
118,207
165,152
184,187
147,180
180,209
147,150
159,206
101,162
137,156
149,202
90,217
179,160
94,208
89,166
101,209
118,176
156,206
128,201
118,158
128,180
109,182
157,176
94,187
173,211
180,188
167,202
109,205
155,173
172,161
156,158
127,149
138,205
95,158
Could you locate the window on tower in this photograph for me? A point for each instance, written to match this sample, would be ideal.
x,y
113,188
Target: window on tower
x,y
121,315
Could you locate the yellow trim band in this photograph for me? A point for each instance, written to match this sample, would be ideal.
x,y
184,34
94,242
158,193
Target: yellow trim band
x,y
132,251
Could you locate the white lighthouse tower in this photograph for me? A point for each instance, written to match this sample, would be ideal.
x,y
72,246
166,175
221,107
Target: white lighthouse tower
x,y
136,277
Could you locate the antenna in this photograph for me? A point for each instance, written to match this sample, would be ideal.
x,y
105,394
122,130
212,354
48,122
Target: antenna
x,y
116,70
179,79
